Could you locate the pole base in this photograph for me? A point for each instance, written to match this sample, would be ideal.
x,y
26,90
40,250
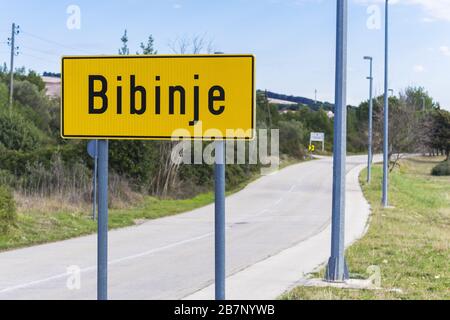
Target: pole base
x,y
332,273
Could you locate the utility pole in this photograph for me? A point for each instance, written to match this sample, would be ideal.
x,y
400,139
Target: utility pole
x,y
369,157
268,109
315,97
14,52
337,269
423,104
385,201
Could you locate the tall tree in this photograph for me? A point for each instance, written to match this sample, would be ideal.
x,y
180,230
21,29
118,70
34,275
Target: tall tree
x,y
148,48
124,50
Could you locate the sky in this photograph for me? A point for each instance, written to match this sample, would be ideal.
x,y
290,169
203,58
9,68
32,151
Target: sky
x,y
293,40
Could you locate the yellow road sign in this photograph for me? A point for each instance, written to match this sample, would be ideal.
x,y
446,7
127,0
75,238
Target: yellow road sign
x,y
158,97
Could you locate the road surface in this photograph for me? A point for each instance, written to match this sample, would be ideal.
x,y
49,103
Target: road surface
x,y
173,257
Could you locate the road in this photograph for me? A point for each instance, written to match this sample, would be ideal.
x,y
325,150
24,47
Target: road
x,y
173,257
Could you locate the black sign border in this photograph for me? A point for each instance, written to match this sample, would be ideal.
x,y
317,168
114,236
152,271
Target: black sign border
x,y
110,137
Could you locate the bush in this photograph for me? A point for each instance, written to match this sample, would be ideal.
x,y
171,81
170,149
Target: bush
x,y
37,108
4,95
442,169
17,133
291,133
8,214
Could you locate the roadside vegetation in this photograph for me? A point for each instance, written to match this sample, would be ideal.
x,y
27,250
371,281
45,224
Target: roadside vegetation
x,y
410,242
50,179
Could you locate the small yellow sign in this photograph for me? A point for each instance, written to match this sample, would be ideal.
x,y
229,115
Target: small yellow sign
x,y
158,97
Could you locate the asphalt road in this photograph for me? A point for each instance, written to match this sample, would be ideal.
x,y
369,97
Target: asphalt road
x,y
173,257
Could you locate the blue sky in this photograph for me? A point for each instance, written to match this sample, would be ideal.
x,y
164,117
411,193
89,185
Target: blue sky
x,y
293,40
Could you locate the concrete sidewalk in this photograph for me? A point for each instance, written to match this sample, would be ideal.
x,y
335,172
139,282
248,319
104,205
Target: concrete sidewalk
x,y
273,276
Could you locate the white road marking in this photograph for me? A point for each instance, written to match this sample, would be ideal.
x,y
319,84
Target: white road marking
x,y
115,261
135,256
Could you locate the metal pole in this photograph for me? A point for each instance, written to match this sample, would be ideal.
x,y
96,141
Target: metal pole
x,y
102,233
370,138
337,270
95,181
385,201
13,53
423,104
219,220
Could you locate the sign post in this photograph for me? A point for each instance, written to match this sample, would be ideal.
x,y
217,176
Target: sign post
x,y
93,152
102,233
318,137
157,97
336,269
219,220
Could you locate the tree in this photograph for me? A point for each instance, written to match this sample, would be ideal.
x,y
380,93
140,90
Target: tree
x,y
124,50
440,131
196,44
148,48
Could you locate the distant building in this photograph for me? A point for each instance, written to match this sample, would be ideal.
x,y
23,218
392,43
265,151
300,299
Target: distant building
x,y
52,86
284,102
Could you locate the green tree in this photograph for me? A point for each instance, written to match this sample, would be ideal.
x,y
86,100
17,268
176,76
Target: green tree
x,y
440,132
124,39
148,48
17,133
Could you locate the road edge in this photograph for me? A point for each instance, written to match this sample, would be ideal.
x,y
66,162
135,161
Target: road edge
x,y
270,278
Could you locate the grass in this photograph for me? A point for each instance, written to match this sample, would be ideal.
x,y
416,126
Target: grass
x,y
410,243
37,226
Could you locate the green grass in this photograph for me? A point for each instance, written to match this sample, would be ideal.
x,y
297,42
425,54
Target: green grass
x,y
410,243
36,228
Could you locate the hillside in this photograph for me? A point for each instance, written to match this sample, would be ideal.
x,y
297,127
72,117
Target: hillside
x,y
289,99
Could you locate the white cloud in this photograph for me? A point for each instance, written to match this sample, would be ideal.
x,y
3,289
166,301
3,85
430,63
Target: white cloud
x,y
418,68
434,9
445,50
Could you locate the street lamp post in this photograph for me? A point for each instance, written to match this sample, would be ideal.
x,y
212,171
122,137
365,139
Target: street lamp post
x,y
336,269
369,157
386,111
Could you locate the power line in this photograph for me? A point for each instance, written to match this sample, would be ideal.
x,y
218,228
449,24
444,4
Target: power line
x,y
41,51
53,42
39,58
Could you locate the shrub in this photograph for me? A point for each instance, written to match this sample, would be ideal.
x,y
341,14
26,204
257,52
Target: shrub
x,y
18,133
4,95
8,214
442,169
291,133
